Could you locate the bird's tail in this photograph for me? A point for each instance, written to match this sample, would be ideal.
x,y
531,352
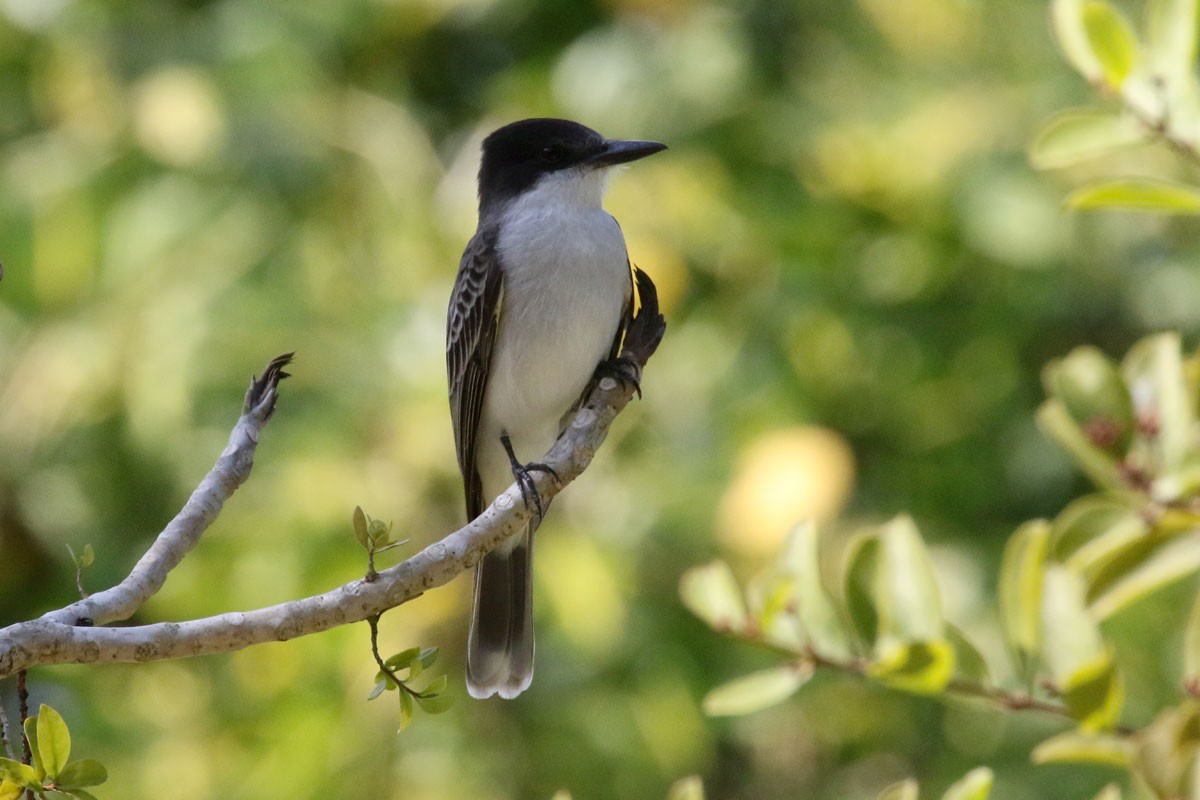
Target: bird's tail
x,y
500,648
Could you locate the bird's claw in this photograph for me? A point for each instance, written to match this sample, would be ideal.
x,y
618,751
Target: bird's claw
x,y
521,472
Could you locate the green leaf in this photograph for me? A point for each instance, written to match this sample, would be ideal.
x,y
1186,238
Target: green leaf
x,y
20,773
1154,370
1070,635
1092,531
1077,135
31,735
819,617
975,785
1020,588
904,790
10,790
1111,39
80,794
435,704
53,741
381,685
1145,567
403,659
1136,194
771,602
1094,693
858,582
1067,18
712,594
969,663
1169,746
359,519
1191,645
906,592
1093,392
756,691
437,685
1056,423
428,656
379,532
1171,38
689,788
89,555
1072,747
406,710
85,772
920,667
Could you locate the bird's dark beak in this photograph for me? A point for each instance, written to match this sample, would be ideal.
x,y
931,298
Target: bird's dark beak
x,y
621,151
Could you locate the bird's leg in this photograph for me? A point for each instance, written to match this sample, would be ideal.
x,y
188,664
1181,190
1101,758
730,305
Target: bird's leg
x,y
524,479
621,369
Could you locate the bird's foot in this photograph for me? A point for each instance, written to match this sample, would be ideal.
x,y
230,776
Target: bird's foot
x,y
522,474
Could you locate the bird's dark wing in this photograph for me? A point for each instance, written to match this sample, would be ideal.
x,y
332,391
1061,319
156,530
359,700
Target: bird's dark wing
x,y
471,326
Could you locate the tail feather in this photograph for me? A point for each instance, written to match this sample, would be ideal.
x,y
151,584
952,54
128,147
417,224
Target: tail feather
x,y
500,647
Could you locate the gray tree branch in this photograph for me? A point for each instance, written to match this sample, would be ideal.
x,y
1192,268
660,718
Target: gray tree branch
x,y
79,633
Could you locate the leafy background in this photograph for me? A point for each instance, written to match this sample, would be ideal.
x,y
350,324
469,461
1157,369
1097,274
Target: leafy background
x,y
862,274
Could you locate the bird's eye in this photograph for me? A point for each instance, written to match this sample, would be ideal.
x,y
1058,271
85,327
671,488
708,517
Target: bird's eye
x,y
553,154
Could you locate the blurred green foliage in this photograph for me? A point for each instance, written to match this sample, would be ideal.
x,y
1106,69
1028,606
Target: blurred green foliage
x,y
854,257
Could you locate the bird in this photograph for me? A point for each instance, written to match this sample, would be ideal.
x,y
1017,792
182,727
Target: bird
x,y
541,301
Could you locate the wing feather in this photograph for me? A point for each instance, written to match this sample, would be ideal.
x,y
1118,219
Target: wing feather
x,y
471,324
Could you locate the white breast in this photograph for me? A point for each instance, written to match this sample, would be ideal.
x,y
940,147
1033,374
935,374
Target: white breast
x,y
566,280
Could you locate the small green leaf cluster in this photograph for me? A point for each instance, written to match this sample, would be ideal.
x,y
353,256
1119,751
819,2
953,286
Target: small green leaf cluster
x,y
375,536
1133,428
84,559
399,671
887,621
51,775
1152,73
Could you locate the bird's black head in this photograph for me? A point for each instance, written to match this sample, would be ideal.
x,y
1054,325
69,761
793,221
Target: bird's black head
x,y
517,155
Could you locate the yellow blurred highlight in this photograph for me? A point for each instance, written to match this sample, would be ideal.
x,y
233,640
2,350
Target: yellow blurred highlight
x,y
177,116
921,28
672,727
316,489
890,163
79,90
64,250
267,671
59,379
581,588
178,767
664,264
894,269
822,350
167,695
788,475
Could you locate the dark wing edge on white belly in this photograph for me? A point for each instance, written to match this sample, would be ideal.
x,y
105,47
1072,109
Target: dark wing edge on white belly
x,y
471,324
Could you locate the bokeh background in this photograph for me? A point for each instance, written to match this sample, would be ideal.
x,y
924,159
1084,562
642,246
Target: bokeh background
x,y
862,276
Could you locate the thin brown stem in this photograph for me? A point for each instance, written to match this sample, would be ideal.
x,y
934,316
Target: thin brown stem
x,y
373,622
8,748
23,702
1000,697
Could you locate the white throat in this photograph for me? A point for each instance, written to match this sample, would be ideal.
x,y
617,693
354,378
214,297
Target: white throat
x,y
577,189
